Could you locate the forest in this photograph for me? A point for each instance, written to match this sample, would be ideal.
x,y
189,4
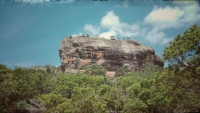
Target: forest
x,y
174,88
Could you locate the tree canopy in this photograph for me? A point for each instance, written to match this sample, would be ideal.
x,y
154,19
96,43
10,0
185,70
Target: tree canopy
x,y
95,69
182,76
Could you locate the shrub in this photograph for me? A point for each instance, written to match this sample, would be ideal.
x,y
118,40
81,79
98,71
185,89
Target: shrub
x,y
3,110
21,104
95,69
121,71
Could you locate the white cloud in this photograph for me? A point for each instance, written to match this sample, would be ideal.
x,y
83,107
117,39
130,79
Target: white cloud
x,y
143,32
156,36
192,13
107,34
164,17
160,18
93,30
111,23
126,30
183,14
110,20
166,40
75,35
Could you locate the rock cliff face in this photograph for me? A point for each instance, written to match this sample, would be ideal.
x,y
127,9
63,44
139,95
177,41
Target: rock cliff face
x,y
79,51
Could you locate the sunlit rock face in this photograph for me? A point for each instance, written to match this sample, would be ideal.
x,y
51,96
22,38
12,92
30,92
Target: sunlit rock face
x,y
76,52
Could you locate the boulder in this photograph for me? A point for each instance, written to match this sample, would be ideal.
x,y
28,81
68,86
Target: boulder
x,y
76,52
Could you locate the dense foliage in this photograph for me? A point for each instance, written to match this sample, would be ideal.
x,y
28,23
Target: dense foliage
x,y
155,90
95,69
121,71
182,76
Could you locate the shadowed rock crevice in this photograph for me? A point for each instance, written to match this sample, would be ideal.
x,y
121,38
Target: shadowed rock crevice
x,y
79,51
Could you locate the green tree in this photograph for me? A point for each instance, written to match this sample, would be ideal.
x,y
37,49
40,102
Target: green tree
x,y
21,105
20,84
65,85
30,82
88,101
48,70
82,94
142,95
182,77
7,86
150,69
95,69
121,71
51,100
3,110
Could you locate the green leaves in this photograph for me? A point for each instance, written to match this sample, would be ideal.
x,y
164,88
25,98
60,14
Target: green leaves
x,y
121,71
21,105
182,79
183,45
51,100
81,93
21,83
95,69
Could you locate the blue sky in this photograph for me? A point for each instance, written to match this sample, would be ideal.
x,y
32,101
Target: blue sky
x,y
31,30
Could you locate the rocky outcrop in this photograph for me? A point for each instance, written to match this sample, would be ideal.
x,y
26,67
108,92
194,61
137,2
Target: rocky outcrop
x,y
77,52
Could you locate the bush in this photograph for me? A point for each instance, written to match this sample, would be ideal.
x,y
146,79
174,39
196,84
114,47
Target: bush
x,y
21,105
3,110
121,71
95,69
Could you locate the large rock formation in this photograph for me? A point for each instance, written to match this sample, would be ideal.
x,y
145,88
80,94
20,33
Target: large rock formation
x,y
79,51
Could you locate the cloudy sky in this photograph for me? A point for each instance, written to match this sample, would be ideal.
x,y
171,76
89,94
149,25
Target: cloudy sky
x,y
31,30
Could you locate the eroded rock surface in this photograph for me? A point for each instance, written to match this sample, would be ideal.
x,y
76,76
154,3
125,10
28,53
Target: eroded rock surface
x,y
77,52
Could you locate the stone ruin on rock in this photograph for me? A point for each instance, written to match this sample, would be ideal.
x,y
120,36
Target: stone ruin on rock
x,y
77,52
